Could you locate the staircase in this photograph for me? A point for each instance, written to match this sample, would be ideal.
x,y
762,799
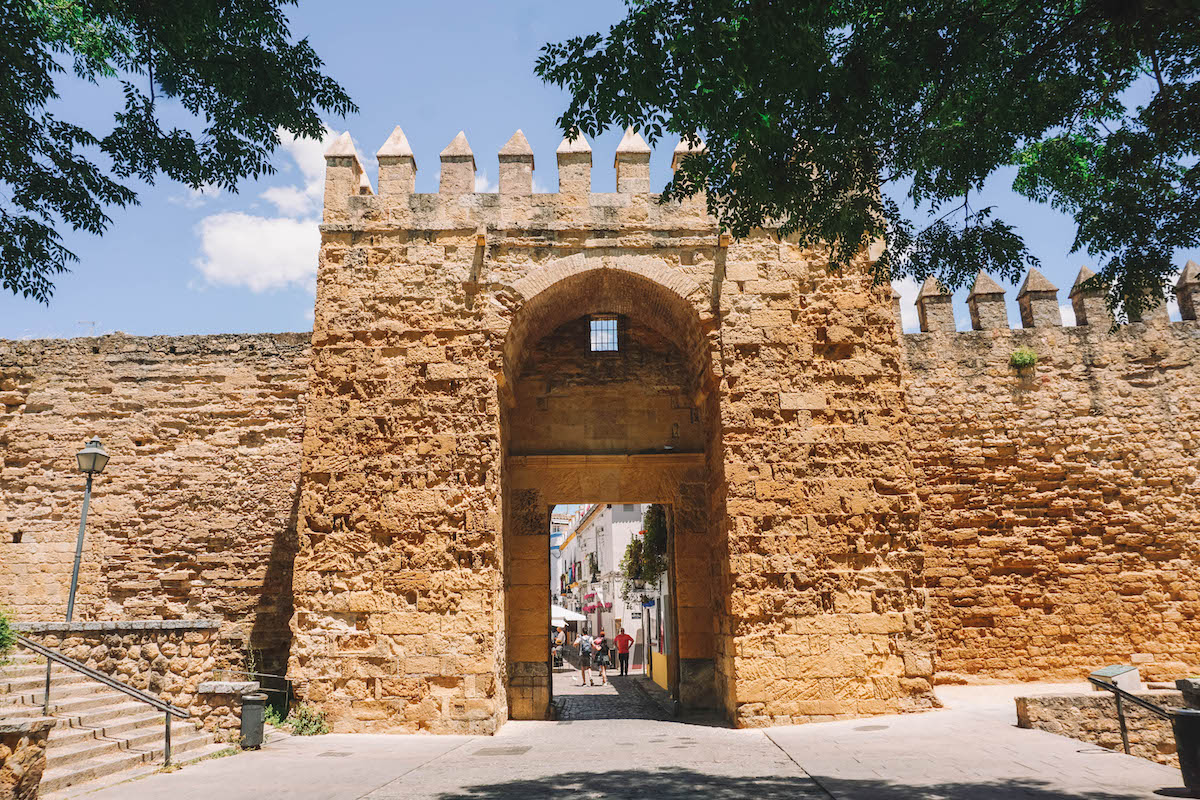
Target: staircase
x,y
99,732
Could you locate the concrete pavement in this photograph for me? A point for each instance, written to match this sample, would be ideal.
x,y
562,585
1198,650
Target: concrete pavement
x,y
971,749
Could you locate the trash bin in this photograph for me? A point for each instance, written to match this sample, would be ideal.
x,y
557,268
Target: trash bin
x,y
253,708
1186,724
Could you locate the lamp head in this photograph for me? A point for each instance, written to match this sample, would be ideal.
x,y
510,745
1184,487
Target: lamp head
x,y
93,457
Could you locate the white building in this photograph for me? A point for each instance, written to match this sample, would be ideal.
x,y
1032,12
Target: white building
x,y
589,577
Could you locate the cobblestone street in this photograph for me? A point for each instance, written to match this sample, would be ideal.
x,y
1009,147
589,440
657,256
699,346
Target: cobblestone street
x,y
620,698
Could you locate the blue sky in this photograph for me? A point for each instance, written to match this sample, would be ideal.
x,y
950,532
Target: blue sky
x,y
187,262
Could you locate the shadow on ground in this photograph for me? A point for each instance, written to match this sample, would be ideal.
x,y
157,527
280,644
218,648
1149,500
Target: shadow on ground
x,y
669,784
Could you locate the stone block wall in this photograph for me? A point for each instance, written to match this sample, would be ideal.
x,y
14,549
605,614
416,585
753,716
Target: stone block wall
x,y
194,515
23,756
168,659
1060,504
1092,717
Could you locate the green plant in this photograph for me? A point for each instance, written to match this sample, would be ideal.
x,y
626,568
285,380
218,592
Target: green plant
x,y
272,718
8,638
1022,358
645,556
307,721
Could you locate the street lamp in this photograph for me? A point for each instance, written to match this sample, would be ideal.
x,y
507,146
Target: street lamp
x,y
91,460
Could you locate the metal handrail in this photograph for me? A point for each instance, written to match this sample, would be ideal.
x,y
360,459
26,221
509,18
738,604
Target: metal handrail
x,y
1120,694
137,694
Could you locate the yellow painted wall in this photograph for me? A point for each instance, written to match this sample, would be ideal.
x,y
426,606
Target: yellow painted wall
x,y
658,669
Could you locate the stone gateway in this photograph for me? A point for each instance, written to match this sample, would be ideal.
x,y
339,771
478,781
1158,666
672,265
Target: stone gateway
x,y
854,512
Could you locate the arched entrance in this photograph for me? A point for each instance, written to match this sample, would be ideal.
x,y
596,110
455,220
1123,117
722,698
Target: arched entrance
x,y
608,399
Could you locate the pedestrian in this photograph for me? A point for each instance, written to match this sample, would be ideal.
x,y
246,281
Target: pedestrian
x,y
624,642
560,639
585,658
600,646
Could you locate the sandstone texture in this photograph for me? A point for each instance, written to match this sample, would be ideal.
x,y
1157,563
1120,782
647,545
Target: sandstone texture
x,y
1092,717
194,516
22,756
852,509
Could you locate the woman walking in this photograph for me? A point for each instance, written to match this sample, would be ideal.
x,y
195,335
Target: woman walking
x,y
600,646
585,658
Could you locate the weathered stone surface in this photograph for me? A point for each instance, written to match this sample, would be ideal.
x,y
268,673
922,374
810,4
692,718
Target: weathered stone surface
x,y
23,756
1092,717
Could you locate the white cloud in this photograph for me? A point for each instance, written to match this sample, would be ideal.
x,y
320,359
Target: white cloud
x,y
308,156
485,186
1068,313
259,253
196,197
541,188
908,289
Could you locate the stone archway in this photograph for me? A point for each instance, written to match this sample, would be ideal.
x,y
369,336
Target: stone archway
x,y
637,425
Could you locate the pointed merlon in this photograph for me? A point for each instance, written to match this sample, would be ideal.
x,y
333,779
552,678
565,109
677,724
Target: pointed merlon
x,y
577,145
364,184
683,149
458,147
396,146
632,143
1190,274
518,145
984,286
931,288
1083,277
342,147
1035,281
895,294
517,148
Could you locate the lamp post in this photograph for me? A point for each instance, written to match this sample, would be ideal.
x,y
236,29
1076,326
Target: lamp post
x,y
91,461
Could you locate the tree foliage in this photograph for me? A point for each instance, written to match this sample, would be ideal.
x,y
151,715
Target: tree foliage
x,y
229,66
645,558
807,106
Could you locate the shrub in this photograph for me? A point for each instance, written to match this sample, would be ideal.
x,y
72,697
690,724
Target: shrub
x,y
272,718
306,721
8,638
1022,358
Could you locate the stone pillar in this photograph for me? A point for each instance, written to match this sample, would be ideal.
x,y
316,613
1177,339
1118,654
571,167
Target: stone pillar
x,y
527,589
397,165
516,166
458,167
691,584
897,312
343,175
575,166
218,706
934,307
1088,302
1038,299
986,303
23,756
633,163
682,150
1187,291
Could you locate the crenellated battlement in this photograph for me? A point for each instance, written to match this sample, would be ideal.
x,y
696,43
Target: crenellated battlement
x,y
1039,307
350,198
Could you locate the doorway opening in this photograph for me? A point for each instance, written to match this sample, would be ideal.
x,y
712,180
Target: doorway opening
x,y
615,648
608,406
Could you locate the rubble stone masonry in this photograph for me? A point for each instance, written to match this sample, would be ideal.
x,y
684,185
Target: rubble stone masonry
x,y
852,508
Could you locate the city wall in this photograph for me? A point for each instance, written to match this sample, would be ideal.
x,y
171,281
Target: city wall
x,y
856,508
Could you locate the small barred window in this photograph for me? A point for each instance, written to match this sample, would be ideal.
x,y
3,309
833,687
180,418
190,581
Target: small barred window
x,y
604,333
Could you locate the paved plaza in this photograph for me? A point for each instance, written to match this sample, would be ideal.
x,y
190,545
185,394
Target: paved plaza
x,y
616,741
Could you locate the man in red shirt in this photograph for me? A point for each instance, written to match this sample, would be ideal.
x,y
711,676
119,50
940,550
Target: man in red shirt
x,y
624,642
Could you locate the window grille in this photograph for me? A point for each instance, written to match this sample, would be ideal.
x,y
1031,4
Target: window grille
x,y
604,333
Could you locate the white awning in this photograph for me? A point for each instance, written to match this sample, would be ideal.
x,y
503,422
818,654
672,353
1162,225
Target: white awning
x,y
561,615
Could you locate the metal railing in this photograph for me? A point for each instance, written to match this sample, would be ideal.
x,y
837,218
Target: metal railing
x,y
137,694
1122,697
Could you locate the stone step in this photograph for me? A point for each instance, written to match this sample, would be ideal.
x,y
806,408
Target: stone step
x,y
145,738
58,777
32,671
65,735
14,685
87,788
69,703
